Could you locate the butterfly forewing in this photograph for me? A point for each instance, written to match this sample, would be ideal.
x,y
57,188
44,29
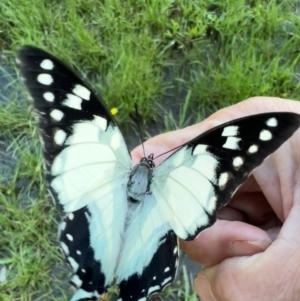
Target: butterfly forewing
x,y
202,176
87,168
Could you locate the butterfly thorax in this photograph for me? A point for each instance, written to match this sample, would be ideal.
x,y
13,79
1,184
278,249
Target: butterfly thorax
x,y
140,179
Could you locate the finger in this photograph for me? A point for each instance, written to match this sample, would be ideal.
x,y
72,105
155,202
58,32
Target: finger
x,y
255,105
256,209
235,278
291,227
230,214
250,185
151,146
226,239
273,232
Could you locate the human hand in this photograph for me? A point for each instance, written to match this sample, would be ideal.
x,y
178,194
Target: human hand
x,y
252,251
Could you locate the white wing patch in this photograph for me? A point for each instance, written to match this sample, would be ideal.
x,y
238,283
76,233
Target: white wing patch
x,y
141,240
60,137
231,130
232,143
82,92
186,188
91,165
73,101
106,226
223,179
100,122
92,172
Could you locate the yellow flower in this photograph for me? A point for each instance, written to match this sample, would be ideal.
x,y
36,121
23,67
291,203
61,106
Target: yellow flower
x,y
114,111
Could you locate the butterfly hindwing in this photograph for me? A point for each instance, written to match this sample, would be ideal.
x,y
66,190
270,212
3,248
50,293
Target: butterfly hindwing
x,y
202,176
87,167
149,256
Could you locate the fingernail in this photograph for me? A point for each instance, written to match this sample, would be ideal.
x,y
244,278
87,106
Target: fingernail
x,y
245,247
203,289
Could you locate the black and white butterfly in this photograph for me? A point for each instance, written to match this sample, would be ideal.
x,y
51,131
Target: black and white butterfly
x,y
122,221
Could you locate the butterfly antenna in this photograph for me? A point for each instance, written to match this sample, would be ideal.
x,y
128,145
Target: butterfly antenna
x,y
139,126
169,151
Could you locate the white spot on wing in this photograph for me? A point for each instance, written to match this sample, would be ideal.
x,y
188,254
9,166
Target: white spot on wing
x,y
45,79
200,149
272,122
223,179
253,149
65,248
60,137
231,130
73,263
76,280
82,92
57,115
73,101
100,122
70,216
69,236
167,269
175,250
232,143
49,96
47,64
83,295
265,135
166,281
78,252
153,289
237,161
62,226
115,140
211,204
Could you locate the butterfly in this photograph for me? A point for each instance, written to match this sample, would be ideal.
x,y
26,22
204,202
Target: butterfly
x,y
121,222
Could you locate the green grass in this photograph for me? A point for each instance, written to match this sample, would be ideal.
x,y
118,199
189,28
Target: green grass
x,y
180,60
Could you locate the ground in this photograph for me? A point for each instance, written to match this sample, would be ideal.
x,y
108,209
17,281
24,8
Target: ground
x,y
178,60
